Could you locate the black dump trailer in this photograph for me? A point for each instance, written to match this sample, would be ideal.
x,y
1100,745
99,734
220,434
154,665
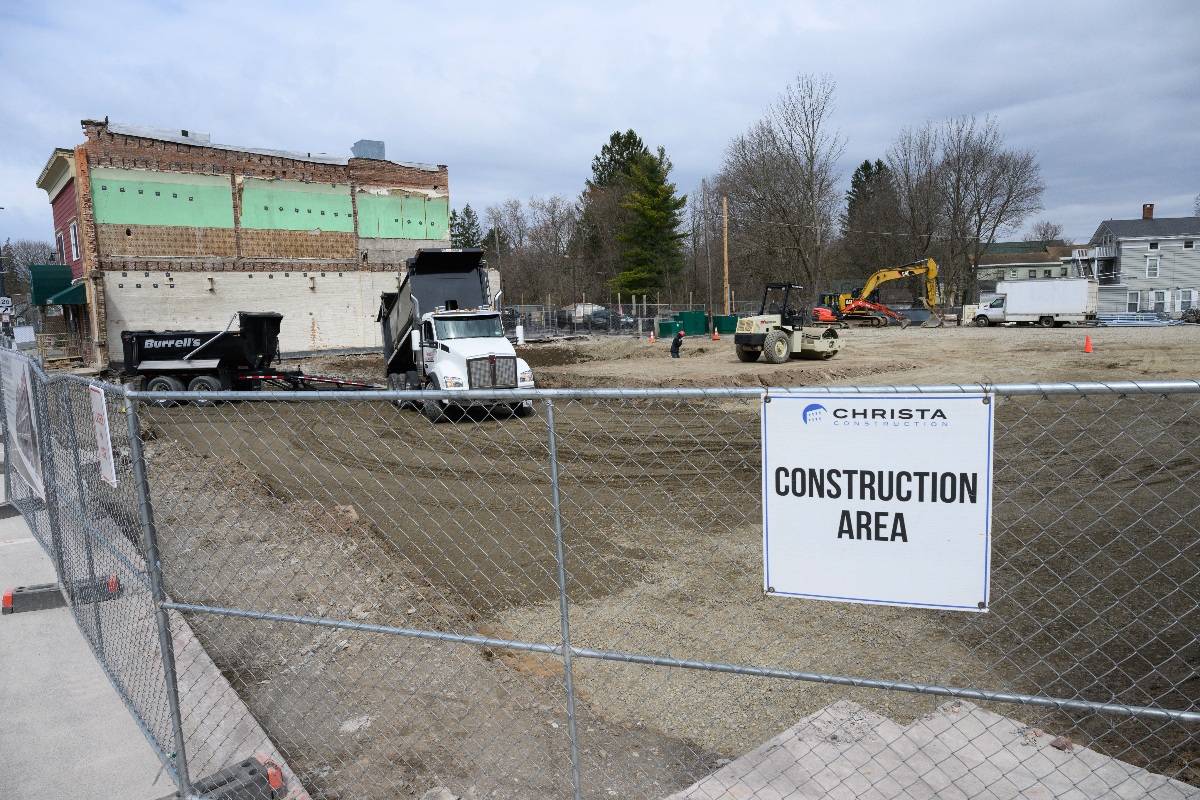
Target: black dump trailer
x,y
211,361
435,279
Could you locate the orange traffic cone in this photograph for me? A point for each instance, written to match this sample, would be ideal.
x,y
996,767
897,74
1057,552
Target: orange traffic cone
x,y
1087,344
652,336
716,336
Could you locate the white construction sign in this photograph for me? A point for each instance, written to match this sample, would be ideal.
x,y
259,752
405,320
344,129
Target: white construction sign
x,y
108,468
882,499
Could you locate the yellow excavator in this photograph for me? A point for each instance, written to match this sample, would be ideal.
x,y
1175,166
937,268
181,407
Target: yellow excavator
x,y
858,306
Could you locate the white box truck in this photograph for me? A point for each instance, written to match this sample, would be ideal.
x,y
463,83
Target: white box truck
x,y
1050,303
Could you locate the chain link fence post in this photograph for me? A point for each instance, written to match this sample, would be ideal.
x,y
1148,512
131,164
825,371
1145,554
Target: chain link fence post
x,y
85,523
8,498
50,481
563,601
154,568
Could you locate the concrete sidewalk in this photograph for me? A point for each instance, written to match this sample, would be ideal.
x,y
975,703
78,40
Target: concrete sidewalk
x,y
64,732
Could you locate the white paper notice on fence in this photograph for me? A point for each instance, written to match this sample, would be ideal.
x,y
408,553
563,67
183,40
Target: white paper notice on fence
x,y
20,408
882,499
108,468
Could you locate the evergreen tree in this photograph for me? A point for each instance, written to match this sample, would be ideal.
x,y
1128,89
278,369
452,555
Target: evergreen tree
x,y
651,235
465,230
616,159
871,220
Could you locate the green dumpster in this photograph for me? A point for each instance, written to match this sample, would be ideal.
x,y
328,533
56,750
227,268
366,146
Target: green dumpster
x,y
725,324
667,328
694,322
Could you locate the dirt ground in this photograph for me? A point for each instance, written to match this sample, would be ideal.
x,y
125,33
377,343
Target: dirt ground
x,y
369,513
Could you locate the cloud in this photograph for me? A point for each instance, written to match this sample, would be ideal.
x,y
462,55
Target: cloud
x,y
516,99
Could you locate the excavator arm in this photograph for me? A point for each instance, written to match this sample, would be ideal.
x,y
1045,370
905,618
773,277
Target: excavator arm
x,y
926,266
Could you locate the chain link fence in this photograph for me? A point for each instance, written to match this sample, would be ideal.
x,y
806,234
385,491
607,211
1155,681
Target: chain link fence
x,y
570,604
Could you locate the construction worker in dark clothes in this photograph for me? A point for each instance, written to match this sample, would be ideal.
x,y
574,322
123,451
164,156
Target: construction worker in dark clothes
x,y
676,343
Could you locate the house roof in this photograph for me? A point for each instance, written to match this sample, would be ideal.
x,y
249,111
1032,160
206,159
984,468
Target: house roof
x,y
1049,255
998,248
1139,228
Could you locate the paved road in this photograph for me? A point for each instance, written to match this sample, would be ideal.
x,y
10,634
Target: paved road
x,y
64,733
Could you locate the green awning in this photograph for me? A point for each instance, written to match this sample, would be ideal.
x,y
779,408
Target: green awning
x,y
46,280
73,295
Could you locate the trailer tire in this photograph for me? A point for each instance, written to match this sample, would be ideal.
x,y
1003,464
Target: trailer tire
x,y
205,383
1046,322
164,383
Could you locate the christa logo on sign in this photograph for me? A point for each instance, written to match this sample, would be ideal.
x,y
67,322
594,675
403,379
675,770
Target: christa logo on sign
x,y
813,412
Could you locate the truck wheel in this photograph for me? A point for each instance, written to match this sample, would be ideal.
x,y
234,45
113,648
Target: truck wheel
x,y
747,354
982,322
1046,322
522,410
433,410
778,347
828,354
164,383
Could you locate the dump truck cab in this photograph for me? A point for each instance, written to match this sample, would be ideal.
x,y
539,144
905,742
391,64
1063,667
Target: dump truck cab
x,y
778,329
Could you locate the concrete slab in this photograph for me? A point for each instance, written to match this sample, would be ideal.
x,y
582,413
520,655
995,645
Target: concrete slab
x,y
64,732
958,752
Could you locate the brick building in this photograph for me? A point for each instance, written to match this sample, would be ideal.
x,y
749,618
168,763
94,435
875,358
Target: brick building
x,y
173,231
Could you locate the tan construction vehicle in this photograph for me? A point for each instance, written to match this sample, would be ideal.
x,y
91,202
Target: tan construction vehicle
x,y
779,332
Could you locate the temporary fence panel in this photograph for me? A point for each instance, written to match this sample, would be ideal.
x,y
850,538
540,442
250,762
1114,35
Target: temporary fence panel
x,y
570,603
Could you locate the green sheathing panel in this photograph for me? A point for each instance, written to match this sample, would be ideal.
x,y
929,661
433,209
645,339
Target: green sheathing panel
x,y
437,218
144,197
414,217
295,206
380,216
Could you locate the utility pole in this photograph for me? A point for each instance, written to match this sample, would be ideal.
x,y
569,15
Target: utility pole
x,y
707,246
725,237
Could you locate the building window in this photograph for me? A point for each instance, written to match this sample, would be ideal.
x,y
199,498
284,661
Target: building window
x,y
1189,244
1012,274
1154,245
74,242
1062,272
1047,273
1033,273
1152,267
58,243
1158,300
1131,301
1187,299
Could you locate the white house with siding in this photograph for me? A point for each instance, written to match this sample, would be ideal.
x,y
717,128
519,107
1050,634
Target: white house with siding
x,y
1145,264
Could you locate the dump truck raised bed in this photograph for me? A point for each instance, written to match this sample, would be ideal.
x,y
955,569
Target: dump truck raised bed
x,y
441,330
212,361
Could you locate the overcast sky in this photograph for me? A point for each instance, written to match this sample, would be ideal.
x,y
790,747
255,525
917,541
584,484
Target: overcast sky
x,y
516,98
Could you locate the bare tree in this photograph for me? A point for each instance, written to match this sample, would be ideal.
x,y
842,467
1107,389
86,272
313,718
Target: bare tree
x,y
1196,206
1045,231
781,179
16,258
985,188
915,163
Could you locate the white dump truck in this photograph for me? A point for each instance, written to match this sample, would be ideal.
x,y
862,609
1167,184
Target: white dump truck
x,y
442,330
1049,302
